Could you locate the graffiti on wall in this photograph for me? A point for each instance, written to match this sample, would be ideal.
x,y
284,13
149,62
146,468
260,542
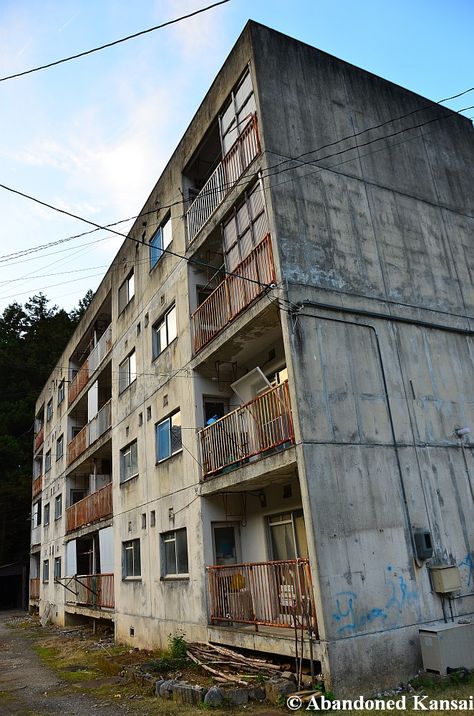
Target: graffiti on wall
x,y
351,619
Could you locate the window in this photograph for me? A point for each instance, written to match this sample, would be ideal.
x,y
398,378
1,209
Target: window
x,y
131,566
57,568
58,507
128,462
246,228
161,239
126,292
127,371
36,517
59,447
164,331
46,515
168,437
46,571
288,535
47,461
61,391
175,553
49,410
237,113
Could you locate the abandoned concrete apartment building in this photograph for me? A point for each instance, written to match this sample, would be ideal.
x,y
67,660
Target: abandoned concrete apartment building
x,y
275,427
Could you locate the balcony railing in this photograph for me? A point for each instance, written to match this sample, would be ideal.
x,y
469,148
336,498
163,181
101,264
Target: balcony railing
x,y
90,590
91,432
90,509
241,154
93,361
39,437
260,425
34,588
37,485
234,294
276,594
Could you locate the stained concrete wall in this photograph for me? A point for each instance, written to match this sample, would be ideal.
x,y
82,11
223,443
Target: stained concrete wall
x,y
377,230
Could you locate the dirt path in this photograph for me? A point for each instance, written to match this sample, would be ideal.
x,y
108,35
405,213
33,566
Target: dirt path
x,y
29,688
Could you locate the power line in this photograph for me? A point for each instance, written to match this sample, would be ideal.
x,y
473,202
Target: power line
x,y
114,42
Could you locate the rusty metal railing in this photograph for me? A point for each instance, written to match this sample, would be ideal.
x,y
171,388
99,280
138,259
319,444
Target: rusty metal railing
x,y
276,594
91,508
39,437
92,362
90,590
34,588
239,157
234,294
91,432
37,485
255,427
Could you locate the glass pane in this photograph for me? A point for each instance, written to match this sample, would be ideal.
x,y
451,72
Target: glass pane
x,y
224,540
155,248
233,258
176,432
162,338
283,546
300,530
132,367
163,446
243,90
128,560
137,567
256,200
122,297
243,219
227,117
260,228
182,552
171,320
243,116
133,458
246,245
123,375
131,286
229,139
170,557
167,233
230,234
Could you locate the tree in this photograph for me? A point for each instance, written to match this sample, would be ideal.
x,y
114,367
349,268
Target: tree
x,y
32,338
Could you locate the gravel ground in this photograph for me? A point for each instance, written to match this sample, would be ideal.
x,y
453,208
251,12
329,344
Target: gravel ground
x,y
30,689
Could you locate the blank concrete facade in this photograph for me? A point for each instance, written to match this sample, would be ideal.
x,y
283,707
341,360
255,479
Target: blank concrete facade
x,y
256,417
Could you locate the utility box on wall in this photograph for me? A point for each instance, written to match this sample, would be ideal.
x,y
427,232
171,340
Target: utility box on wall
x,y
447,646
445,579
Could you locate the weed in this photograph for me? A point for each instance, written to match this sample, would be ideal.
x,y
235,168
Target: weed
x,y
177,645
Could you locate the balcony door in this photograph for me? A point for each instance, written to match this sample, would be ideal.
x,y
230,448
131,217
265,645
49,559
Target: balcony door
x,y
226,539
288,536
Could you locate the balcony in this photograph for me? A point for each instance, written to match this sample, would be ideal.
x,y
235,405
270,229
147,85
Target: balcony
x,y
34,588
254,428
39,437
223,178
91,432
95,591
90,509
234,294
272,594
92,362
37,485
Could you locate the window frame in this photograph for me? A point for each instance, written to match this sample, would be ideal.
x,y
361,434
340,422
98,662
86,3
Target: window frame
x,y
58,513
171,537
156,348
46,514
168,421
45,576
56,571
49,410
36,514
60,447
123,451
47,461
134,546
127,372
235,237
160,241
61,391
126,292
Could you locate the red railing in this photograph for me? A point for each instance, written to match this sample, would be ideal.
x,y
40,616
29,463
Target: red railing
x,y
95,358
91,590
78,382
90,508
34,588
37,485
241,154
39,437
260,425
91,432
78,445
277,594
234,294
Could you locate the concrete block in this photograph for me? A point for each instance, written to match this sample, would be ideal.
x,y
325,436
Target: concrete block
x,y
188,693
277,688
214,697
257,693
236,697
166,689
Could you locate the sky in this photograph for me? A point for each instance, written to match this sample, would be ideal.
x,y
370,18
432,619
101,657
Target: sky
x,y
93,135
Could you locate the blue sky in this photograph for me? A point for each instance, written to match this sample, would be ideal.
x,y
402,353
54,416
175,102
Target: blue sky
x,y
93,135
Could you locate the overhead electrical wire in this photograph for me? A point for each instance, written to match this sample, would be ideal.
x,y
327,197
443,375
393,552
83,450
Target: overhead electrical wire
x,y
113,43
